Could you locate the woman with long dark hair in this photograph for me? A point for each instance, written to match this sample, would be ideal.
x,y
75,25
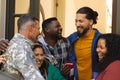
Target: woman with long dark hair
x,y
48,71
108,50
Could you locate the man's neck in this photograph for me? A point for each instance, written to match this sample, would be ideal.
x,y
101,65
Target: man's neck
x,y
50,41
89,31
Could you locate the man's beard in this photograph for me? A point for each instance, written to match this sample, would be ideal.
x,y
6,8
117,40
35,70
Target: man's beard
x,y
57,37
84,32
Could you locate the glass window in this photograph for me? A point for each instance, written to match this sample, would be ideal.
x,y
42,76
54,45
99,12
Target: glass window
x,y
22,6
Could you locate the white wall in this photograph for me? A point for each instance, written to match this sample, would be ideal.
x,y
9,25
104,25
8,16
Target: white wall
x,y
2,18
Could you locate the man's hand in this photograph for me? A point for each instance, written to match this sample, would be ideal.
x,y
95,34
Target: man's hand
x,y
3,45
65,70
2,59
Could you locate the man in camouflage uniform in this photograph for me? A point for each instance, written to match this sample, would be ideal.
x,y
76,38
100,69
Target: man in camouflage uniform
x,y
20,62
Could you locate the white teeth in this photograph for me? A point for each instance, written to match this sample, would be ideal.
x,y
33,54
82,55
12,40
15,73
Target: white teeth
x,y
100,55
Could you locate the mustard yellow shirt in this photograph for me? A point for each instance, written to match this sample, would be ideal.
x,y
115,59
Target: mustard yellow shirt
x,y
83,56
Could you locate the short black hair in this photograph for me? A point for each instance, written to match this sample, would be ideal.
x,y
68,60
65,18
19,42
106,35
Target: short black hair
x,y
46,22
91,14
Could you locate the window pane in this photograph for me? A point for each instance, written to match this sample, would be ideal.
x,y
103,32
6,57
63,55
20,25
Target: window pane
x,y
22,6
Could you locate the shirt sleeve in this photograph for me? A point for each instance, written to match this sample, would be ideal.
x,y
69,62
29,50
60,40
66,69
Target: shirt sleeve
x,y
23,60
112,72
54,73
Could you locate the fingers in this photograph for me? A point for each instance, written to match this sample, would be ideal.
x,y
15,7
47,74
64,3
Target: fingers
x,y
65,70
2,59
3,45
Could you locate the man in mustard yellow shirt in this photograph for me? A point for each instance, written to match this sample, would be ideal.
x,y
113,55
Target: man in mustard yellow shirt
x,y
83,41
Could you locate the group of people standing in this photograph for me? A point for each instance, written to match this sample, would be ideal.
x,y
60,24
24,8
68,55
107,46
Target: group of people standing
x,y
30,57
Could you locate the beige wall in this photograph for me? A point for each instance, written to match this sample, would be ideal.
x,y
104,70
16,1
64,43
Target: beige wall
x,y
100,7
71,6
49,8
69,18
60,13
21,6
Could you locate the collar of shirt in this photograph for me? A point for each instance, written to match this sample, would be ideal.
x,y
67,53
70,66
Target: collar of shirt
x,y
18,35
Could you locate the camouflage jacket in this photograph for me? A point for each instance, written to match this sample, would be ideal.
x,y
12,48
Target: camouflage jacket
x,y
20,62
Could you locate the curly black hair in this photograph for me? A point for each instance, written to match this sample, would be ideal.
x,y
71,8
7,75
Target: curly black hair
x,y
113,50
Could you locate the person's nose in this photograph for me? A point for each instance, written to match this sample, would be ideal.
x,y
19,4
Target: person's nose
x,y
97,49
40,58
77,23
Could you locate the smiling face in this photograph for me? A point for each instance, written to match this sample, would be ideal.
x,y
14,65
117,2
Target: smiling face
x,y
54,29
101,48
39,56
82,23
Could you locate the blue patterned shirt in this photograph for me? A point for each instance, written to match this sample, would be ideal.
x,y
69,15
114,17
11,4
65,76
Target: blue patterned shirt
x,y
58,54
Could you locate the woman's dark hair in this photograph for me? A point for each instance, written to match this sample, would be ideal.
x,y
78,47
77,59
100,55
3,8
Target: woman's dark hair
x,y
44,67
90,14
113,50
